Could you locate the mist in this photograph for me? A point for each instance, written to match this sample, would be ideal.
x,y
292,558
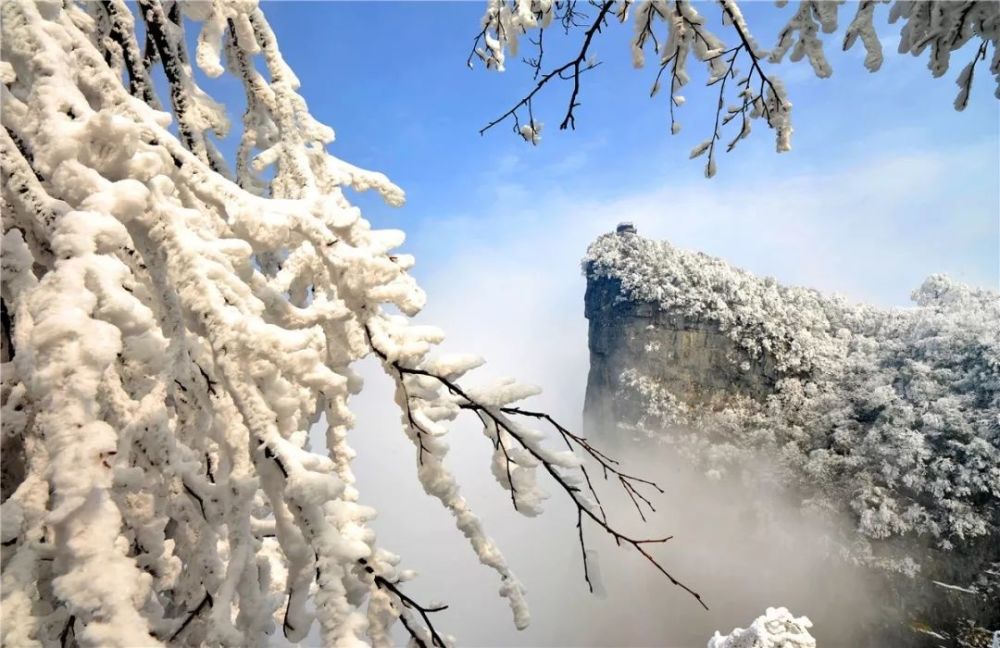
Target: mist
x,y
719,548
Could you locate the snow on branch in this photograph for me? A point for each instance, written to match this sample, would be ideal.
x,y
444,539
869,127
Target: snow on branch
x,y
776,628
570,71
676,31
519,450
172,329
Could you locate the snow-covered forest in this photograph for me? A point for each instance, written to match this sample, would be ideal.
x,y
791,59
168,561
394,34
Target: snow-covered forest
x,y
190,291
916,390
888,417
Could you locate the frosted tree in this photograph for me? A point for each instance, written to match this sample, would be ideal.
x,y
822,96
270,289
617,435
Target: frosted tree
x,y
172,330
892,413
776,628
676,31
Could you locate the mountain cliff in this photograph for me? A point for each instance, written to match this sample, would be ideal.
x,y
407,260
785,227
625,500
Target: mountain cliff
x,y
889,418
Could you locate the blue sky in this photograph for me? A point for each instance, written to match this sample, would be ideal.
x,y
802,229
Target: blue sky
x,y
916,182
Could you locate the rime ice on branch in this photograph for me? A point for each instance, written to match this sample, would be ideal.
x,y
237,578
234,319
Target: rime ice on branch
x,y
173,328
675,31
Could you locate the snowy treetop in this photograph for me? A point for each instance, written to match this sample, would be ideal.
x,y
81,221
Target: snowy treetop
x,y
800,328
776,628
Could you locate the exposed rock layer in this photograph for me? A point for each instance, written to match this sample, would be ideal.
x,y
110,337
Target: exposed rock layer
x,y
701,365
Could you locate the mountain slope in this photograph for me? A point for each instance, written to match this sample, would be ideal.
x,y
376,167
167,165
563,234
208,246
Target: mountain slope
x,y
888,417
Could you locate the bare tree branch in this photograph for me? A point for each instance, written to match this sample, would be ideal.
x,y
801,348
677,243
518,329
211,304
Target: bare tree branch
x,y
570,70
383,583
205,602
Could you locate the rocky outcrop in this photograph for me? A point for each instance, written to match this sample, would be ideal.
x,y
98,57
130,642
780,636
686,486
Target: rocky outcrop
x,y
701,364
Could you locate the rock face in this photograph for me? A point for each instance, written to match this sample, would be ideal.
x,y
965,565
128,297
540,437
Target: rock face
x,y
701,364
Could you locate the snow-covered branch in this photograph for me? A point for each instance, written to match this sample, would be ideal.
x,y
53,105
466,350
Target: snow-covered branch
x,y
675,31
570,71
171,335
519,450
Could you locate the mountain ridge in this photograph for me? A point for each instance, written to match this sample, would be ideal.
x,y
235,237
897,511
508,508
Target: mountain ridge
x,y
887,417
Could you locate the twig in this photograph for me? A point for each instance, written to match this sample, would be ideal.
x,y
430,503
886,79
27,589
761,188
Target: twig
x,y
64,635
197,498
498,418
207,601
577,65
383,583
